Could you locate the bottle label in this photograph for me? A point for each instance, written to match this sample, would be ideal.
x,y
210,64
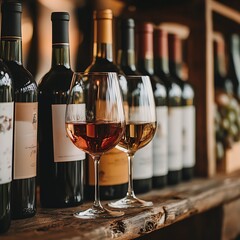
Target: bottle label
x,y
113,168
76,112
143,162
25,140
140,114
6,142
189,133
64,149
175,138
160,141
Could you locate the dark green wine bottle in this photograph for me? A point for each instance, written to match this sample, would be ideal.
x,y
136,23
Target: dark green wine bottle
x,y
142,163
187,106
23,193
6,142
161,69
61,165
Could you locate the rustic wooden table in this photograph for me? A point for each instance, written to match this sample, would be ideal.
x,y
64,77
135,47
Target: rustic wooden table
x,y
171,204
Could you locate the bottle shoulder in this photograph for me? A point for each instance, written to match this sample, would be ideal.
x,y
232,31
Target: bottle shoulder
x,y
5,75
103,65
129,70
188,91
23,80
57,78
159,89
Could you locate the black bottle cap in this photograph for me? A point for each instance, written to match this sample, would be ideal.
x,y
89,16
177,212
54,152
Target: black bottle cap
x,y
127,34
11,19
60,27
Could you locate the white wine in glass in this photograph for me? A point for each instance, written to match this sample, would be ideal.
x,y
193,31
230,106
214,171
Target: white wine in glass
x,y
141,124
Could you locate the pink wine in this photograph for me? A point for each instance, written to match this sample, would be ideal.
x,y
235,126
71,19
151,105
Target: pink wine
x,y
95,137
137,135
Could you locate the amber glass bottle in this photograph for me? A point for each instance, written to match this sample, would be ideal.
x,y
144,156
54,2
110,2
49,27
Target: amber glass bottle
x,y
113,164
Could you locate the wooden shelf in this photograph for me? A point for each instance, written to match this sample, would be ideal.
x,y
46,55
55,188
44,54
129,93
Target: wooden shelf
x,y
170,205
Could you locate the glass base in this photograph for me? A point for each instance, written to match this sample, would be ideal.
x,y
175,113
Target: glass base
x,y
130,202
98,213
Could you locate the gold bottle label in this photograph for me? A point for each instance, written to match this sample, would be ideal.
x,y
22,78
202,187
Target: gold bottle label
x,y
113,169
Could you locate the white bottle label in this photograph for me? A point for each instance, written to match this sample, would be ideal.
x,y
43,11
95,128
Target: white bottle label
x,y
189,128
140,114
143,162
25,140
175,161
160,143
64,149
6,142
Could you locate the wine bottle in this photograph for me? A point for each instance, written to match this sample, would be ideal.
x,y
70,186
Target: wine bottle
x,y
142,164
188,108
61,165
113,164
23,193
165,130
6,142
148,158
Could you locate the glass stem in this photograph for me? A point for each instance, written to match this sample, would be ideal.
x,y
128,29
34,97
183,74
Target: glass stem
x,y
97,203
130,192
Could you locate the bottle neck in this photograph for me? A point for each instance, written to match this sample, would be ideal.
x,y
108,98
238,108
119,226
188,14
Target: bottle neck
x,y
219,59
145,66
145,52
102,47
103,51
161,65
126,58
175,68
161,51
126,52
11,32
61,55
11,49
175,55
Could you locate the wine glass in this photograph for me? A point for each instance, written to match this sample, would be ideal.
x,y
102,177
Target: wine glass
x,y
140,115
95,123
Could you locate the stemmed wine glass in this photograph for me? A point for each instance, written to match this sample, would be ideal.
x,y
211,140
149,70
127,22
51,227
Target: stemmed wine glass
x,y
95,123
140,115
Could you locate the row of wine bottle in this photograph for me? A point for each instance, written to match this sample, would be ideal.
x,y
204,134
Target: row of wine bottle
x,y
18,129
32,117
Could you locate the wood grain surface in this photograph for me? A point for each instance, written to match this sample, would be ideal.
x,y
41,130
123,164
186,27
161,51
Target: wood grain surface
x,y
171,205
